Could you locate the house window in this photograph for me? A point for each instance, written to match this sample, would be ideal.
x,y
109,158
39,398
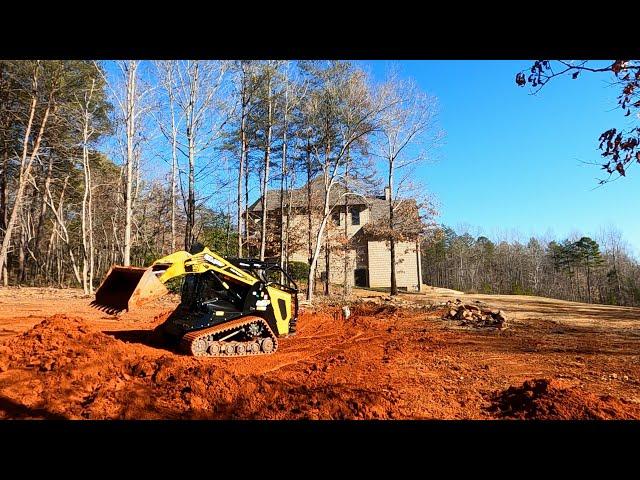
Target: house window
x,y
336,218
355,217
360,277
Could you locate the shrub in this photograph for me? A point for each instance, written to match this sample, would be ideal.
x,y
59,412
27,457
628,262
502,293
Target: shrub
x,y
298,270
486,288
517,289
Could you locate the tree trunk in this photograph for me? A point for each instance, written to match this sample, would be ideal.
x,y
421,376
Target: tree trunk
x,y
84,220
309,220
228,230
241,167
246,203
21,246
244,104
288,226
392,242
191,201
174,172
617,270
346,287
49,256
4,200
327,264
283,173
25,170
90,218
43,205
316,251
87,213
588,282
130,120
4,191
265,179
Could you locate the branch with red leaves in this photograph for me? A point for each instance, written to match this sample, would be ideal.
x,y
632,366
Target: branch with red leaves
x,y
620,148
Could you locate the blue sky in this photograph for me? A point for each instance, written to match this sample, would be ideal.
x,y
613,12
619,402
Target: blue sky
x,y
513,161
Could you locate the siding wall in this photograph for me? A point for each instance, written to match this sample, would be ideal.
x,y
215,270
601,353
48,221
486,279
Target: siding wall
x,y
373,255
406,265
336,266
300,222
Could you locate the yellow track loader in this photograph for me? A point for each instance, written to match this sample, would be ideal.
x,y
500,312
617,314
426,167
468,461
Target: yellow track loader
x,y
228,307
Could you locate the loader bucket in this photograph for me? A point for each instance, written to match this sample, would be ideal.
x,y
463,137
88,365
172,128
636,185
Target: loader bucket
x,y
124,288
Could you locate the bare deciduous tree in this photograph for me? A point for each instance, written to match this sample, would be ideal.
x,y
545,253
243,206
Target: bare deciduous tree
x,y
245,89
269,72
341,112
27,158
88,260
294,92
408,132
198,82
132,97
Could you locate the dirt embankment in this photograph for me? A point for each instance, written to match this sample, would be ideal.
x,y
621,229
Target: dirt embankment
x,y
384,361
65,368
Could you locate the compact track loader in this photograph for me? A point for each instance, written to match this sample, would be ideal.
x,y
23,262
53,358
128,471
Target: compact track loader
x,y
228,308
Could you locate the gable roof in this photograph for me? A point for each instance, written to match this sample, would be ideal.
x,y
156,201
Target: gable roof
x,y
299,197
408,220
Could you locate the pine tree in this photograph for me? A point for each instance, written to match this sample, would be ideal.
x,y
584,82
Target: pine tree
x,y
586,253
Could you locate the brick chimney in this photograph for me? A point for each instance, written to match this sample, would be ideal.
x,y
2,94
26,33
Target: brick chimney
x,y
387,193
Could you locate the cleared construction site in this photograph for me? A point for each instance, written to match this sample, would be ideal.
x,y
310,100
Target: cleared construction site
x,y
62,358
318,239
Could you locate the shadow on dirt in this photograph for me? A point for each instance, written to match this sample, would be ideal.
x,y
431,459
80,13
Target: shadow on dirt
x,y
150,338
18,411
108,309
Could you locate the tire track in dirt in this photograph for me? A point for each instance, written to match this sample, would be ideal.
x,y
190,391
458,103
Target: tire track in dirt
x,y
332,349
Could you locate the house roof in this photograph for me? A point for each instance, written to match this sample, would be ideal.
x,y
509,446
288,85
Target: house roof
x,y
299,197
407,218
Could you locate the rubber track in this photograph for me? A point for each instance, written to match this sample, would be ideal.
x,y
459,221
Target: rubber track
x,y
188,340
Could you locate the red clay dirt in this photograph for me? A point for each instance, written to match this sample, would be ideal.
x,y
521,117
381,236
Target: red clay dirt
x,y
60,358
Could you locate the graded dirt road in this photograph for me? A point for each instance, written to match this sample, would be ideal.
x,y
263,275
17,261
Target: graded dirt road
x,y
62,358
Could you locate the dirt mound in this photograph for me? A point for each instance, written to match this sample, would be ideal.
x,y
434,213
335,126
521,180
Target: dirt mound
x,y
387,310
57,342
64,368
59,366
69,370
539,399
371,309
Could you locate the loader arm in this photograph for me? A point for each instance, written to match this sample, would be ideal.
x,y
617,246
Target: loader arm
x,y
181,263
125,288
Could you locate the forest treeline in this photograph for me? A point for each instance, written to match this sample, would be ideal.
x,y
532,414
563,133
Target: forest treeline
x,y
600,270
121,162
125,161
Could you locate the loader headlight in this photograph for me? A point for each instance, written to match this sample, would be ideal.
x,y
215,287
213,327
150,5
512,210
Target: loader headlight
x,y
262,304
